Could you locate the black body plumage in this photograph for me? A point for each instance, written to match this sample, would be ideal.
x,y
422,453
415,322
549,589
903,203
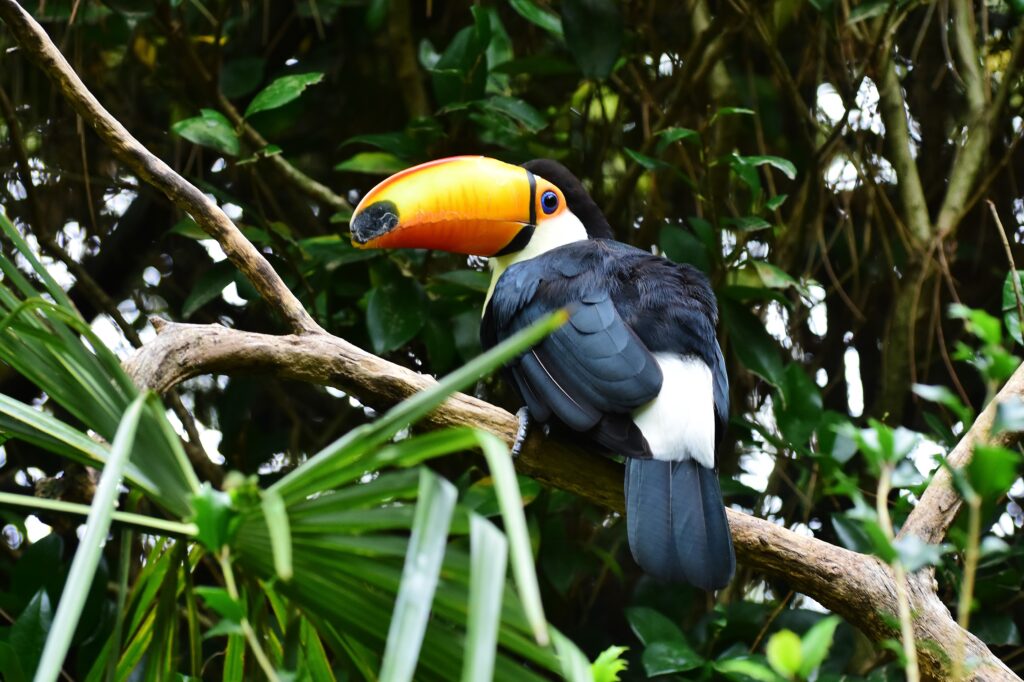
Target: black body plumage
x,y
625,306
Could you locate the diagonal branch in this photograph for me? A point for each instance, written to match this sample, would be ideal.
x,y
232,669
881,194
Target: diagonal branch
x,y
858,587
186,196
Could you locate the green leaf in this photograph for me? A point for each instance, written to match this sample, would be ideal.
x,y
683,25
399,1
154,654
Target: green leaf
x,y
683,247
519,111
777,162
372,163
784,653
489,557
593,32
748,668
750,223
1009,416
394,313
992,470
29,633
213,516
800,410
868,10
756,348
211,129
399,144
673,134
815,645
10,665
776,201
548,21
282,91
218,599
851,534
473,280
239,77
536,65
943,396
83,566
434,506
652,626
276,516
914,553
1011,312
208,287
648,162
499,461
662,658
609,663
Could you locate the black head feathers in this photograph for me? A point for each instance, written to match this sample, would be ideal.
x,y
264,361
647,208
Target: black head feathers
x,y
579,202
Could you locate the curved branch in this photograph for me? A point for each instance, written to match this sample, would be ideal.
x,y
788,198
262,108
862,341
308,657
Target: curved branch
x,y
858,587
186,196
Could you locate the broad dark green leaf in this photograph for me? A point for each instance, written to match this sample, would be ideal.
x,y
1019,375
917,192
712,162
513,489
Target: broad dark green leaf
x,y
218,599
28,634
281,91
239,77
799,411
208,287
593,32
992,470
757,350
529,10
1011,310
212,129
652,626
519,111
683,247
214,517
662,658
394,313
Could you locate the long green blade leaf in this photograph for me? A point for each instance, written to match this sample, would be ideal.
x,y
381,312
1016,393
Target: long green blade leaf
x,y
510,500
83,566
489,551
419,577
276,516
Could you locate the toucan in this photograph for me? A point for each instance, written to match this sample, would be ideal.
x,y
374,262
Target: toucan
x,y
637,368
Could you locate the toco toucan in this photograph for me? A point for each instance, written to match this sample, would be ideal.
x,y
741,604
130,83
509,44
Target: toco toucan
x,y
637,368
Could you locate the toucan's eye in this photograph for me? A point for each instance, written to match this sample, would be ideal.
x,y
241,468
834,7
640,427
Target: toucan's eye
x,y
549,202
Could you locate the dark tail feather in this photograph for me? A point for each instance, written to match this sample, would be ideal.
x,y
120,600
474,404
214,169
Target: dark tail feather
x,y
676,521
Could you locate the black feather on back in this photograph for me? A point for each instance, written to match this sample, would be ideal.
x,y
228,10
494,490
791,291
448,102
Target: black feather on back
x,y
625,304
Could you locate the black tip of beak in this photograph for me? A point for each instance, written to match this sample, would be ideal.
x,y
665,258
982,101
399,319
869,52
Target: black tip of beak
x,y
376,219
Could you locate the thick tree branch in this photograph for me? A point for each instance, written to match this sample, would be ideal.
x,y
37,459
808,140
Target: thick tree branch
x,y
859,587
246,257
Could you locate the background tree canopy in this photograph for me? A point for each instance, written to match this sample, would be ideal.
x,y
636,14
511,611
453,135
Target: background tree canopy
x,y
846,173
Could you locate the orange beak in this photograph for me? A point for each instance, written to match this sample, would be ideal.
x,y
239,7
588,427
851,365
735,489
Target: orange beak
x,y
463,204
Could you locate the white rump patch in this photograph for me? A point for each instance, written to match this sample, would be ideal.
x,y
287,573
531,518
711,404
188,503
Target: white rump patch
x,y
680,422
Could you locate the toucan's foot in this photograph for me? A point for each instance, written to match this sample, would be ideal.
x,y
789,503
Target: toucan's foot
x,y
523,415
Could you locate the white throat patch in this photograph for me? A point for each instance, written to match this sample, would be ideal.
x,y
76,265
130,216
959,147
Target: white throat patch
x,y
549,234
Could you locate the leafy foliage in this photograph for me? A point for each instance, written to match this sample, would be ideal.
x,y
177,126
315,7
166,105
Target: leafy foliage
x,y
747,140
